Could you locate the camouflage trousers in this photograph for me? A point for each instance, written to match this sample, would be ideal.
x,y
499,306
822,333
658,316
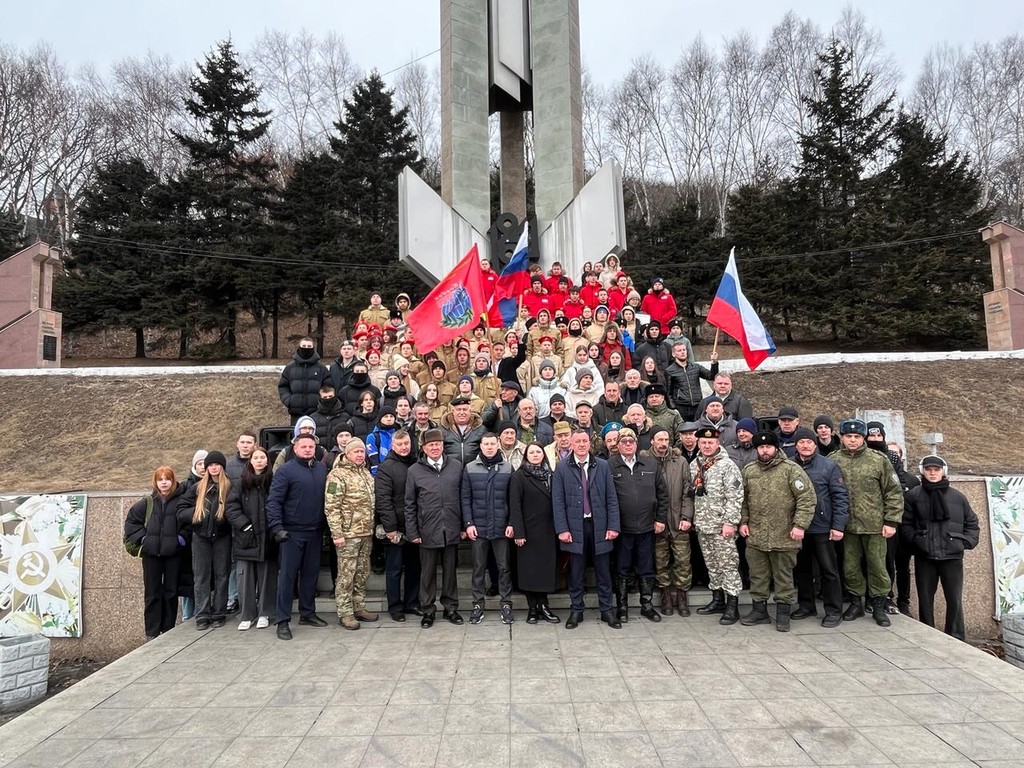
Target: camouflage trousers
x,y
723,562
777,564
353,570
872,548
672,560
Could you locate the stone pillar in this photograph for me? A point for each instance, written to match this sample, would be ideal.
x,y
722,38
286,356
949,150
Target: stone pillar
x,y
1004,304
557,107
24,671
465,157
513,165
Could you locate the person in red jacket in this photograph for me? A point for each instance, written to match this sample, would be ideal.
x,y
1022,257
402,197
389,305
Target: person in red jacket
x,y
536,299
590,289
659,304
556,273
573,304
618,293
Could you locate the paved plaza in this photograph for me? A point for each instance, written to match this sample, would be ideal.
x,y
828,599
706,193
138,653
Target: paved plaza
x,y
685,692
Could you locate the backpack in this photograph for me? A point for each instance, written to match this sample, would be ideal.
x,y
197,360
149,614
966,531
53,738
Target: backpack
x,y
135,548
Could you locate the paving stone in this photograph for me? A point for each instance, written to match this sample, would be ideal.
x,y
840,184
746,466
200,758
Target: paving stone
x,y
692,749
410,751
619,750
543,750
911,744
979,741
329,750
473,750
839,746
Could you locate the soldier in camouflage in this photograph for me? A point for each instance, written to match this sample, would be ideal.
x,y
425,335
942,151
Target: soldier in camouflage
x,y
348,505
672,547
778,505
876,509
717,502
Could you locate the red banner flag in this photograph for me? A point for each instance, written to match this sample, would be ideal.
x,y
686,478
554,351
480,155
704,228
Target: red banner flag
x,y
452,308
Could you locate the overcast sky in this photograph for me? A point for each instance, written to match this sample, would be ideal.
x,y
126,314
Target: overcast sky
x,y
386,33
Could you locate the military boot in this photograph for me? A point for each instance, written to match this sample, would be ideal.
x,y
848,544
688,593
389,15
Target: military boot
x,y
879,613
855,610
782,617
647,609
622,600
757,615
682,603
667,596
732,610
717,604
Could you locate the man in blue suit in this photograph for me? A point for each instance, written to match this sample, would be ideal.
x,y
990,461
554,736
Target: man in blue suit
x,y
586,512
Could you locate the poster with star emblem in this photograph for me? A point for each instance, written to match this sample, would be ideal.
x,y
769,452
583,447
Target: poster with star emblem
x,y
1006,524
41,565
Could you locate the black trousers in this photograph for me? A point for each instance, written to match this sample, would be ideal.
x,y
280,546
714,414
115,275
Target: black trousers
x,y
602,570
160,582
430,558
635,551
818,549
299,557
897,563
398,558
929,574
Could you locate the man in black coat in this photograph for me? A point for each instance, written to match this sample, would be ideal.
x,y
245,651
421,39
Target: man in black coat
x,y
341,368
643,511
399,554
433,519
329,417
609,406
357,385
300,380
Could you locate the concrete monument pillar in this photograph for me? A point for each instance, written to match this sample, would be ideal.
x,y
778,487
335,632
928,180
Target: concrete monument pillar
x,y
1004,304
510,57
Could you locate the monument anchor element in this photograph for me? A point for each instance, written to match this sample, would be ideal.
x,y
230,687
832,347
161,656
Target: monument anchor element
x,y
510,57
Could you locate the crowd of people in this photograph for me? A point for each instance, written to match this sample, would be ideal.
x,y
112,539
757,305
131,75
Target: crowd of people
x,y
579,437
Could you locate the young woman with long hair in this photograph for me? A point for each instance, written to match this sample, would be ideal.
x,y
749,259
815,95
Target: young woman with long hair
x,y
252,545
152,524
204,509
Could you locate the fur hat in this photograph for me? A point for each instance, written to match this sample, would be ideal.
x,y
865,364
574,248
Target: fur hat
x,y
433,436
765,438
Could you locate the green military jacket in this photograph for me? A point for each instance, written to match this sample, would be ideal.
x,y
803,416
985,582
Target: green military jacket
x,y
348,500
876,496
777,497
722,496
666,418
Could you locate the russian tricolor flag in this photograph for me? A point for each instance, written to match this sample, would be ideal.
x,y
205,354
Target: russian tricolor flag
x,y
731,312
513,281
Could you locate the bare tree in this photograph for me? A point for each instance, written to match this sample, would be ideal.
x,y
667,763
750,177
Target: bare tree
x,y
937,91
420,91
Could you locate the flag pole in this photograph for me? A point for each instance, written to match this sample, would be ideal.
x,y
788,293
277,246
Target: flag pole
x,y
714,348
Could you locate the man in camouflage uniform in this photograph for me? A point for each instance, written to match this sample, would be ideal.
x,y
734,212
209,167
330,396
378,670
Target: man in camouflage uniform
x,y
717,502
348,505
876,509
672,546
778,505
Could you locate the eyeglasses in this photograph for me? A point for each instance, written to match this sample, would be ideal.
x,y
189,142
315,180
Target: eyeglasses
x,y
626,440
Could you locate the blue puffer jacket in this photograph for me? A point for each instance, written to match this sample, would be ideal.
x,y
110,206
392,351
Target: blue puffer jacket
x,y
378,445
296,499
567,500
833,507
485,497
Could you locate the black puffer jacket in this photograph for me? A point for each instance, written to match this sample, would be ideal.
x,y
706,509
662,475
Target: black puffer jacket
x,y
939,539
247,513
160,537
299,386
209,526
389,491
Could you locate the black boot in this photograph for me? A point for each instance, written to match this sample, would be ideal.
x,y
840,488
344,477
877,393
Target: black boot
x,y
855,611
782,617
757,615
647,600
717,604
732,610
544,612
879,613
682,603
622,600
667,594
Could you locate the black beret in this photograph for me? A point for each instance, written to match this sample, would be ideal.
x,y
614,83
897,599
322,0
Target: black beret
x,y
708,432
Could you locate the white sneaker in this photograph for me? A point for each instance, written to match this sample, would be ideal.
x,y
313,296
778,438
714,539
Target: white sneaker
x,y
244,625
262,623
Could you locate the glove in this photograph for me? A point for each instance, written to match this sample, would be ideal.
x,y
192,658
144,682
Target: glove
x,y
281,536
181,540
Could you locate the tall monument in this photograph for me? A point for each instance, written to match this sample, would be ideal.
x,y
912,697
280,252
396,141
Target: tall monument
x,y
1004,304
510,57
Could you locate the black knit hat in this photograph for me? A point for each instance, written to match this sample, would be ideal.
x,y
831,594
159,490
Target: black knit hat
x,y
216,457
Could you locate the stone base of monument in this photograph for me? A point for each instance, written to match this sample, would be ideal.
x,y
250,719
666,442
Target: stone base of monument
x,y
24,670
1013,638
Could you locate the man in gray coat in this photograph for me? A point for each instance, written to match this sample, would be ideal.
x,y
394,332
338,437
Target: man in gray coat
x,y
433,519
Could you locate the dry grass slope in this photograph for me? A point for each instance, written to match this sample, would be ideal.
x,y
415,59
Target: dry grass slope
x,y
109,433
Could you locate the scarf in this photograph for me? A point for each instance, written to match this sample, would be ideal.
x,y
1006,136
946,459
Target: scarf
x,y
703,467
493,460
540,471
935,499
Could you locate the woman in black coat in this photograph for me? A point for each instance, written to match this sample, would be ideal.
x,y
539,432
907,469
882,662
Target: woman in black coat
x,y
251,543
532,519
939,525
152,523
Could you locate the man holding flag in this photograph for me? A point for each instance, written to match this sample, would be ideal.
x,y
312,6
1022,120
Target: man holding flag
x,y
731,312
512,283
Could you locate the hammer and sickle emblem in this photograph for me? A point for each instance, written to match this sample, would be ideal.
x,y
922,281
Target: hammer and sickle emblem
x,y
32,566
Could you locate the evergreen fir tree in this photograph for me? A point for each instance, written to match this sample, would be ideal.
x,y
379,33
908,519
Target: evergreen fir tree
x,y
11,228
